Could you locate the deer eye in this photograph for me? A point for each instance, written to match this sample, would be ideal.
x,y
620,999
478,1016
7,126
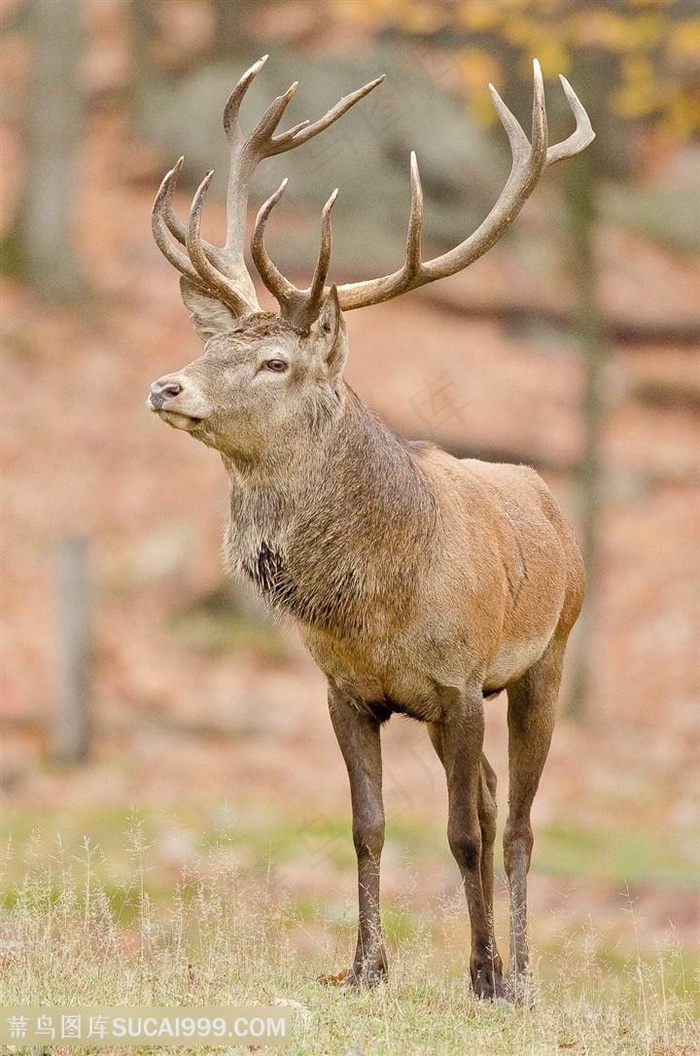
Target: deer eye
x,y
278,366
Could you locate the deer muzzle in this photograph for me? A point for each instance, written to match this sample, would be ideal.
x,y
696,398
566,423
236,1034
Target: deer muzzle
x,y
178,403
162,392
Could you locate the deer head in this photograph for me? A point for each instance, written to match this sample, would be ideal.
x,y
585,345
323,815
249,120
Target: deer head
x,y
263,378
260,385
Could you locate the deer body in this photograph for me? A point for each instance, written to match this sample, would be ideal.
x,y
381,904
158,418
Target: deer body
x,y
393,557
420,583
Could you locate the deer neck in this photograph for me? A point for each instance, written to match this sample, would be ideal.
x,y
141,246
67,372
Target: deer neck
x,y
345,520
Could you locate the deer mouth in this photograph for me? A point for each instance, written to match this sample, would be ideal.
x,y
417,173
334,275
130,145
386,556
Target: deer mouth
x,y
177,419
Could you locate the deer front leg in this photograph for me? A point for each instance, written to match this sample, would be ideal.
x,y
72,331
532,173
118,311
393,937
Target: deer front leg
x,y
358,736
471,820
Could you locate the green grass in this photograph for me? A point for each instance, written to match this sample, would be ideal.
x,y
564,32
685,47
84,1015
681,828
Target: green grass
x,y
617,853
219,940
89,925
623,854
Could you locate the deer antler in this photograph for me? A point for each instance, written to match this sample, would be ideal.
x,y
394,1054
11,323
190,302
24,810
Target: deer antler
x,y
530,159
299,307
222,271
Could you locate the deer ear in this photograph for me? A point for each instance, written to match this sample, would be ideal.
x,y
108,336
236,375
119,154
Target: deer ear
x,y
209,315
332,337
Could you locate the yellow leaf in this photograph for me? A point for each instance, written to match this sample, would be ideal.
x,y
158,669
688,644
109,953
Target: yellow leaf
x,y
684,40
519,30
422,16
640,92
553,56
682,117
477,68
369,12
480,16
599,27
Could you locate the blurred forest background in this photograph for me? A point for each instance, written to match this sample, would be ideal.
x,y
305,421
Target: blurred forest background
x,y
572,346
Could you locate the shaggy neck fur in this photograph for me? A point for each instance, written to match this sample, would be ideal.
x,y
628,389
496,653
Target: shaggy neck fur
x,y
337,543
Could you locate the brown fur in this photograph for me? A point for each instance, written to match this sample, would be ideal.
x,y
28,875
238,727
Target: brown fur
x,y
420,584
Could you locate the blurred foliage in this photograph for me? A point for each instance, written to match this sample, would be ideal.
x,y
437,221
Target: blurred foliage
x,y
649,48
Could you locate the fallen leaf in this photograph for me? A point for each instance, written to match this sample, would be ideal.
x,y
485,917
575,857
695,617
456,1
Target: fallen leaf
x,y
333,980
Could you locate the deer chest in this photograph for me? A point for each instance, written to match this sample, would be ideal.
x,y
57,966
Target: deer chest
x,y
317,595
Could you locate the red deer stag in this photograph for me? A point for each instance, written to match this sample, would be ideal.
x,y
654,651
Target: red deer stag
x,y
421,584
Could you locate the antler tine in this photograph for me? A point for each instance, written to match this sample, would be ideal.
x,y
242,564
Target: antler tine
x,y
304,134
279,286
177,229
298,307
300,133
415,221
582,135
233,104
229,293
318,283
161,227
519,143
246,153
530,158
539,120
262,135
243,159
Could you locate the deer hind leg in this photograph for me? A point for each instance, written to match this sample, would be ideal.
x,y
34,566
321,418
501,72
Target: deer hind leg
x,y
358,736
487,812
531,714
487,815
487,823
471,826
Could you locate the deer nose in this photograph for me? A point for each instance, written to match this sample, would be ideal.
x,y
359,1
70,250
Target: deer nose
x,y
164,390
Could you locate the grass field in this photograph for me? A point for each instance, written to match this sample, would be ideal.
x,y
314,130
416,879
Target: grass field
x,y
117,924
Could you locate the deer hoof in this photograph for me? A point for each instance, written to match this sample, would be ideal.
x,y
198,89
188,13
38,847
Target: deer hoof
x,y
519,990
488,985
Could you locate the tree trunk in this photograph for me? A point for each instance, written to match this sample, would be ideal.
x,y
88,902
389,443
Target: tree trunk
x,y
581,199
146,78
71,729
54,131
